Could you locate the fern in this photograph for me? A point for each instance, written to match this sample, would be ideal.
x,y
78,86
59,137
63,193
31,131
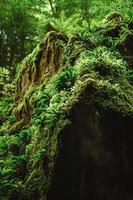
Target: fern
x,y
68,25
65,79
130,75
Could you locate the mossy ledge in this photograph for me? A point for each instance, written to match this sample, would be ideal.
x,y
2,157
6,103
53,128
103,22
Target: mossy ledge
x,y
68,133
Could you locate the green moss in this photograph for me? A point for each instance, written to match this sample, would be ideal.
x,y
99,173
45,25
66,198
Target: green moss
x,y
98,77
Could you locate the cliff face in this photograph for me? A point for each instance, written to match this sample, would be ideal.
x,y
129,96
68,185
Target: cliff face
x,y
68,133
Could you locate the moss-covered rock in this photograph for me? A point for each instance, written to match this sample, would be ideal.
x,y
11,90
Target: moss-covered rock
x,y
71,134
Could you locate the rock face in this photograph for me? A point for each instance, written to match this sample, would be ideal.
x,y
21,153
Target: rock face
x,y
72,133
45,60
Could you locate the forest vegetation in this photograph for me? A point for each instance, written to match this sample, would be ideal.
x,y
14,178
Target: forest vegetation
x,y
66,99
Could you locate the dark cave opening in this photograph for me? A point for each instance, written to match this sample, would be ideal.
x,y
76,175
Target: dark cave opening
x,y
94,160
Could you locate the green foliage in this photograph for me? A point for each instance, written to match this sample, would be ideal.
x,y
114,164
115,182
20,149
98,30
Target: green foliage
x,y
4,74
50,100
100,72
21,22
67,25
103,62
5,104
65,80
11,162
18,32
130,75
124,7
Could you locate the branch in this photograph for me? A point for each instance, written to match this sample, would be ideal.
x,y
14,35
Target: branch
x,y
52,7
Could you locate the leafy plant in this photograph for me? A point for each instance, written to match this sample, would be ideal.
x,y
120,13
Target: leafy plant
x,y
65,79
130,75
67,25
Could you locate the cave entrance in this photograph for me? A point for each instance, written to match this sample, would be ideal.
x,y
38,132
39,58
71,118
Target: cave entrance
x,y
72,170
95,160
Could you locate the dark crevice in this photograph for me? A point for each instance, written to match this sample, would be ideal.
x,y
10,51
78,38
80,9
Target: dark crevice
x,y
94,160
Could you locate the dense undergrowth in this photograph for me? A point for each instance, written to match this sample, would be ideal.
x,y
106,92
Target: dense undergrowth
x,y
96,69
